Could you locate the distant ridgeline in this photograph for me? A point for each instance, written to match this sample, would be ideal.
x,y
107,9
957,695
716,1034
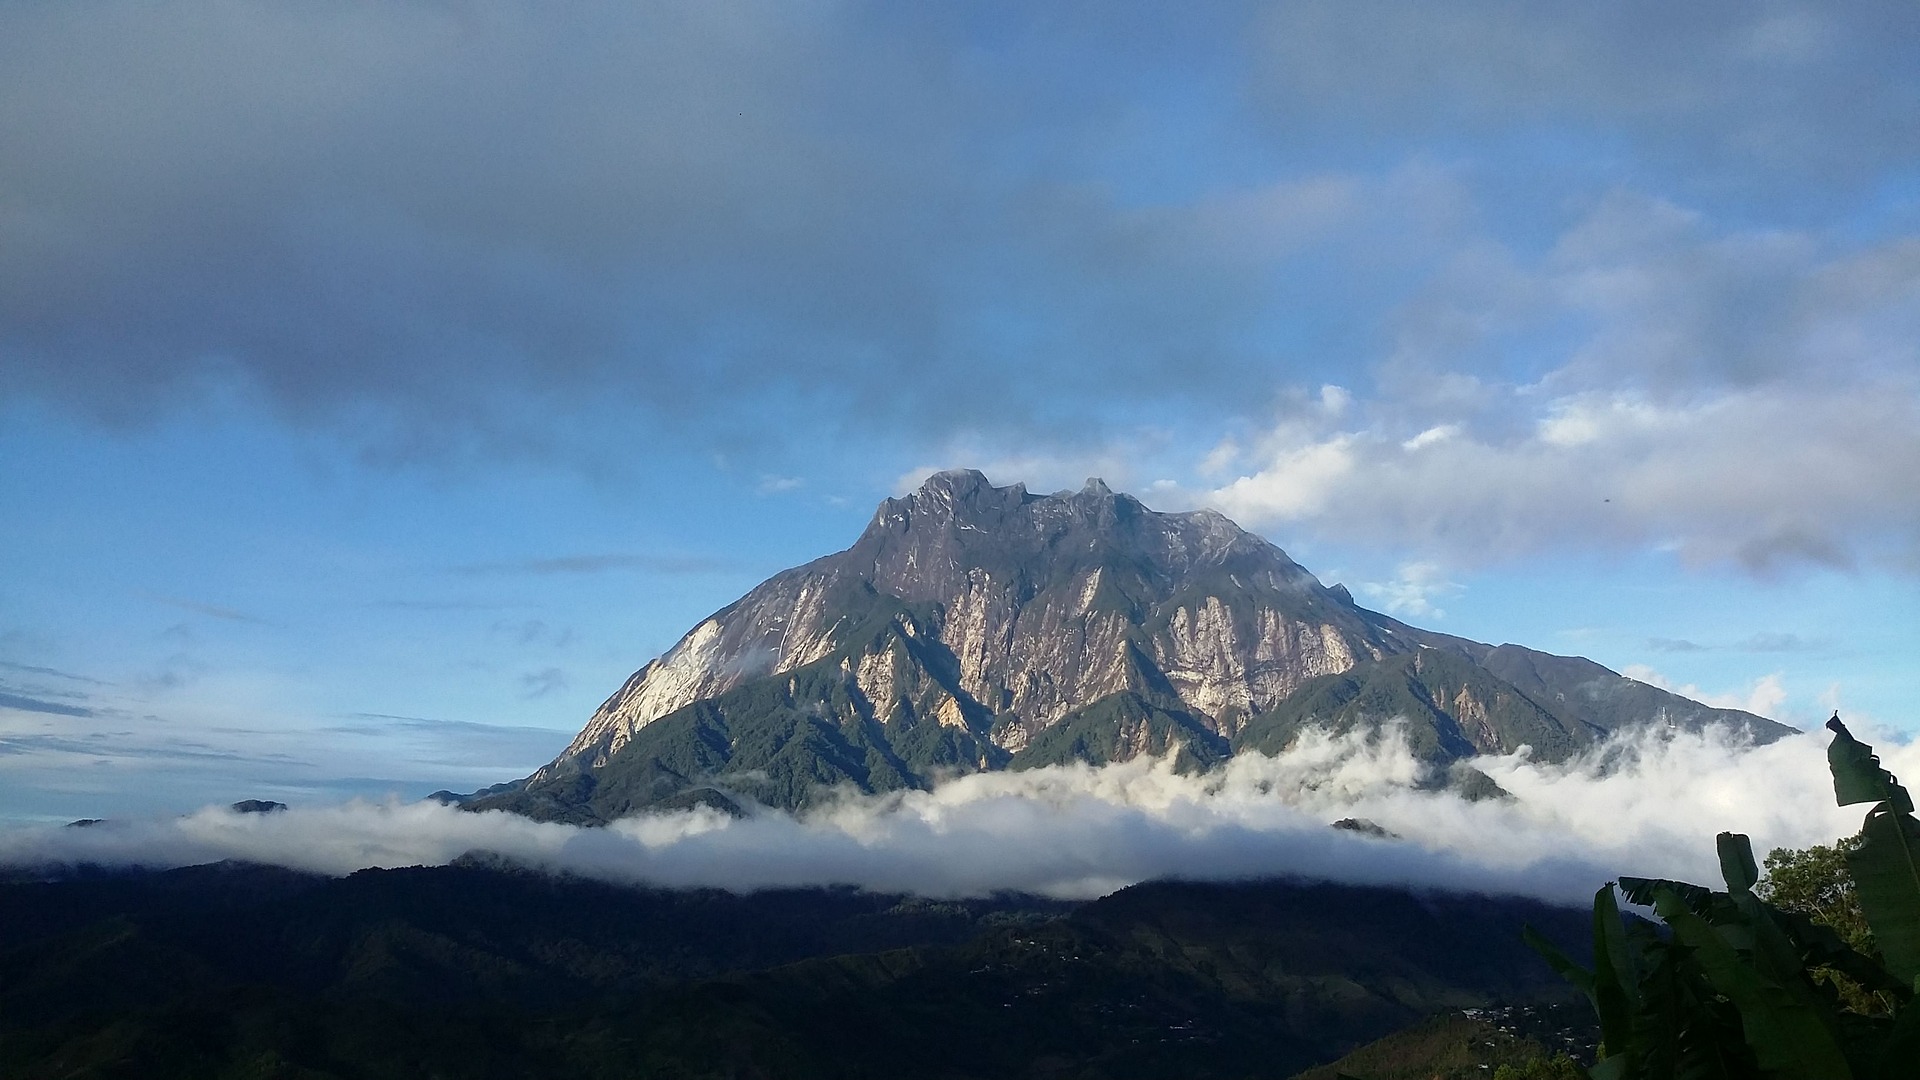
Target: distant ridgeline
x,y
974,627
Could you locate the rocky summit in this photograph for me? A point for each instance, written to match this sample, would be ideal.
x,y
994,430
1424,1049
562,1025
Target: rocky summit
x,y
974,627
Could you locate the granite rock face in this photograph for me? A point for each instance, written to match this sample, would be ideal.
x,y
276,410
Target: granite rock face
x,y
977,627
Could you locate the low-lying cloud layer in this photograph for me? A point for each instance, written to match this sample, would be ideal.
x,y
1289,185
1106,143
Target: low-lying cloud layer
x,y
1648,805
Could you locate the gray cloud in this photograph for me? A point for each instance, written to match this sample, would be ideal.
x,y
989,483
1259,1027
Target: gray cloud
x,y
1724,396
427,226
503,748
1720,88
1773,642
1676,645
109,763
31,704
440,605
55,673
1764,642
441,229
386,722
538,684
125,745
1641,295
533,631
1578,270
212,611
603,563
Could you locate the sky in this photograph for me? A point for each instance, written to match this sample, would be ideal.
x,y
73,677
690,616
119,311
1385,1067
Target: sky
x,y
381,384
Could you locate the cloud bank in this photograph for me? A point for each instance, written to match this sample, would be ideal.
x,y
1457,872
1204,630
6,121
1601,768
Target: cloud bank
x,y
1648,380
1762,479
1645,805
431,225
439,228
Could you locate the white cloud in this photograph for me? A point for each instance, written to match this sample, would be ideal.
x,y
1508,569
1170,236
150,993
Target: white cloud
x,y
1220,459
1297,481
1734,397
1649,805
1762,477
1413,591
1121,464
772,484
1437,433
1763,698
1586,420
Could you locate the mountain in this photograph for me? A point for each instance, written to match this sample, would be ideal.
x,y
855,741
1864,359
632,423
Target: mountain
x,y
974,627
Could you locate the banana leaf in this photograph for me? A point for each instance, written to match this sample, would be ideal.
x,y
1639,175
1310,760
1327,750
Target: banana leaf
x,y
1640,892
1886,876
1613,986
1900,1054
1886,864
1820,947
1788,1036
1684,1031
1616,967
1857,775
1736,862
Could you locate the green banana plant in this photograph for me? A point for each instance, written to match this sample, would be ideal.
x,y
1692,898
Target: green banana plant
x,y
1727,991
1886,865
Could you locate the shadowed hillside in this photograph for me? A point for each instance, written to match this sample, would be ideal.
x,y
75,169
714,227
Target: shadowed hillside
x,y
474,971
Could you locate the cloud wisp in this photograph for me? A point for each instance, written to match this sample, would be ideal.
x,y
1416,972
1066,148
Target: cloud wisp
x,y
32,704
211,611
53,673
600,563
1648,805
1763,698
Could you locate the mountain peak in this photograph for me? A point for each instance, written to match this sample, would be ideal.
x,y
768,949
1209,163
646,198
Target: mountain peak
x,y
957,491
951,498
978,627
953,482
924,545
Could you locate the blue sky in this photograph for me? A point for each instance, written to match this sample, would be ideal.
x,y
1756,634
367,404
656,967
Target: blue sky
x,y
380,385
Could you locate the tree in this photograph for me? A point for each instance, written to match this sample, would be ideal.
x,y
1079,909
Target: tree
x,y
1557,1067
1815,882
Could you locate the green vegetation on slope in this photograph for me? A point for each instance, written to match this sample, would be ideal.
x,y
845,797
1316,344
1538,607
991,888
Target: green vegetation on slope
x,y
1453,708
1475,1044
1122,726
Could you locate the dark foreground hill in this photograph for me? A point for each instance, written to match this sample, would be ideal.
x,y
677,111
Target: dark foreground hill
x,y
471,971
1464,1045
973,627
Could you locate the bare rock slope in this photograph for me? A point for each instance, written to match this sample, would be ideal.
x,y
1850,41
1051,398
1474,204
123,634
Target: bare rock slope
x,y
974,627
